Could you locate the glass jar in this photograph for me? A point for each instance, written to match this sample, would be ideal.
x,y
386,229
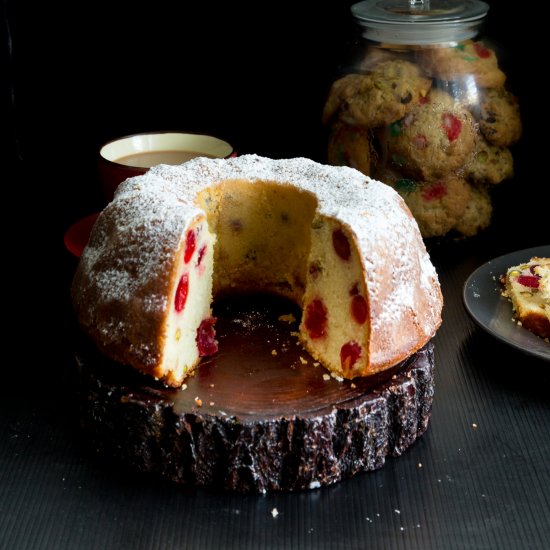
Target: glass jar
x,y
424,107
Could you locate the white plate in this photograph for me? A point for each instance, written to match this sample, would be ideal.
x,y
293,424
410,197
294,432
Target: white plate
x,y
492,312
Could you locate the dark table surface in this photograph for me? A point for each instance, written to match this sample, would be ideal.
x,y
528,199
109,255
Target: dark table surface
x,y
478,478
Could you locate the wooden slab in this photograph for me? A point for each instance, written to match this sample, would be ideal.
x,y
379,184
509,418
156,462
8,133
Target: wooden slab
x,y
258,416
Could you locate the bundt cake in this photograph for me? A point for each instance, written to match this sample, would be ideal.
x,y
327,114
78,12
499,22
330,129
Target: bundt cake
x,y
528,288
342,246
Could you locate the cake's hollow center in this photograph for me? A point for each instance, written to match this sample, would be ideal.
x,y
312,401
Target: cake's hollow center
x,y
263,236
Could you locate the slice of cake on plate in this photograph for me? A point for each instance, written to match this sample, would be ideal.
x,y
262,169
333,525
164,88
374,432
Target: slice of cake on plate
x,y
528,288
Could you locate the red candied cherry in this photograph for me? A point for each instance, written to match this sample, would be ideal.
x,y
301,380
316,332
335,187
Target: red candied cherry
x,y
531,281
206,337
200,256
349,354
423,100
359,309
434,192
190,245
341,244
316,319
181,292
452,126
481,50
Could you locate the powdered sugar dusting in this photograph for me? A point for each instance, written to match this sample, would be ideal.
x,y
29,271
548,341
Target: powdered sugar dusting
x,y
142,230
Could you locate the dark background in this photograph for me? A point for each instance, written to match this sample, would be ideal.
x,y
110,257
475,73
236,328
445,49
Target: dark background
x,y
254,73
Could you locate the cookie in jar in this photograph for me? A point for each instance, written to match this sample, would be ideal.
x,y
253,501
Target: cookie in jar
x,y
424,107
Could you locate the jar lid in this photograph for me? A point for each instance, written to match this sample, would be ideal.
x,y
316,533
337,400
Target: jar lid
x,y
420,21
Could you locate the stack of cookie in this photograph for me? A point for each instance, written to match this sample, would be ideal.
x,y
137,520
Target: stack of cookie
x,y
435,123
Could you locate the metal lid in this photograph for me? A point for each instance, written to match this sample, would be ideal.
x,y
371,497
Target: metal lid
x,y
420,21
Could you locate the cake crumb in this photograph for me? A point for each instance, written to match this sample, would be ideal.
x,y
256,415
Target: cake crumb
x,y
474,425
274,512
198,401
352,386
273,352
326,377
336,377
294,333
211,385
184,386
288,318
212,403
314,485
303,361
316,364
420,464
